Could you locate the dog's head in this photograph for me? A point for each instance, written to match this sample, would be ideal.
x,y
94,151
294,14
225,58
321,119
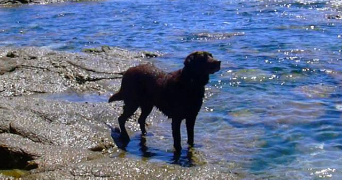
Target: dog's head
x,y
201,63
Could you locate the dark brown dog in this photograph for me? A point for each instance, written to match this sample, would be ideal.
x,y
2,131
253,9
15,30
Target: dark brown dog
x,y
179,95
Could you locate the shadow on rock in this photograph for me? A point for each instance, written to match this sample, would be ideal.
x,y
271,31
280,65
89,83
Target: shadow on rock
x,y
119,142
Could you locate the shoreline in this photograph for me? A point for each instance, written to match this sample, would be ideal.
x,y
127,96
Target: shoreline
x,y
14,3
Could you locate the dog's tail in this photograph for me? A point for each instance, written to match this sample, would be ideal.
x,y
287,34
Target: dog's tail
x,y
116,97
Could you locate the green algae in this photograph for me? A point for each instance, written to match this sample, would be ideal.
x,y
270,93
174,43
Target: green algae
x,y
16,173
244,116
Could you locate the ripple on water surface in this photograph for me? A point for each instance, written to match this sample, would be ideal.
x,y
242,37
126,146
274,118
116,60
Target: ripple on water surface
x,y
316,91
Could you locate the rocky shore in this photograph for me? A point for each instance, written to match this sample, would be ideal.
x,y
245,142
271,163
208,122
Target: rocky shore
x,y
43,136
21,2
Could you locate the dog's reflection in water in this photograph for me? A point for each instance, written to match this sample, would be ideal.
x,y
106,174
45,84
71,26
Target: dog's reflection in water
x,y
138,147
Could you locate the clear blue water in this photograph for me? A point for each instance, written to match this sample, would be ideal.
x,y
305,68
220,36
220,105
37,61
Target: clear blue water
x,y
273,111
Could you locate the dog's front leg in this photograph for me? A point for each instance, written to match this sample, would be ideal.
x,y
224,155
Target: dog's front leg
x,y
190,124
176,123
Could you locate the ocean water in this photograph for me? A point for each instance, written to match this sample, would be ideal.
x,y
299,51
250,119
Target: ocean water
x,y
274,111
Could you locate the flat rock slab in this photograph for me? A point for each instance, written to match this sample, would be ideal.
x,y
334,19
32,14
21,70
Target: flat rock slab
x,y
36,70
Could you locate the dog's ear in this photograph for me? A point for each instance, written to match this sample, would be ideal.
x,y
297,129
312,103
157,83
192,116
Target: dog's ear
x,y
188,60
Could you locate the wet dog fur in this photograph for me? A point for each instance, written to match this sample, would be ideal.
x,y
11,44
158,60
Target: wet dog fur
x,y
179,94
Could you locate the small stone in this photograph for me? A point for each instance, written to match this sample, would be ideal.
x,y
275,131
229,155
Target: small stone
x,y
12,54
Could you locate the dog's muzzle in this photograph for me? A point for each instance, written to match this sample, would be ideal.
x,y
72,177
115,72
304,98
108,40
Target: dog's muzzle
x,y
215,66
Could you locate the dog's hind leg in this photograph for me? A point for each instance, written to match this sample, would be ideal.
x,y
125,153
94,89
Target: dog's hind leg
x,y
128,111
176,125
145,111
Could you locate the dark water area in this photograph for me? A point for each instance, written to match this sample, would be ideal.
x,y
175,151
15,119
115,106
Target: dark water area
x,y
275,108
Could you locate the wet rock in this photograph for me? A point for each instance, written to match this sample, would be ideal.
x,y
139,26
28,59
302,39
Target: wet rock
x,y
95,50
20,2
147,54
115,51
334,16
39,157
56,139
36,70
212,36
6,176
40,133
58,122
306,27
124,168
12,54
7,65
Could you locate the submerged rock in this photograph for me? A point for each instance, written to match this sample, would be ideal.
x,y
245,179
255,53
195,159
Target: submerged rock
x,y
212,36
315,91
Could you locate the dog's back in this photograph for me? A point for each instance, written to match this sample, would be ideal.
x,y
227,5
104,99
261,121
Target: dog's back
x,y
148,85
139,84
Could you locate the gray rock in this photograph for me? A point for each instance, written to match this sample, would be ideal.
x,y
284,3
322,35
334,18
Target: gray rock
x,y
35,70
211,36
21,2
334,16
115,51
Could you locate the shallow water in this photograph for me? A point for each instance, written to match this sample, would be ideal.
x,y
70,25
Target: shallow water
x,y
273,111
